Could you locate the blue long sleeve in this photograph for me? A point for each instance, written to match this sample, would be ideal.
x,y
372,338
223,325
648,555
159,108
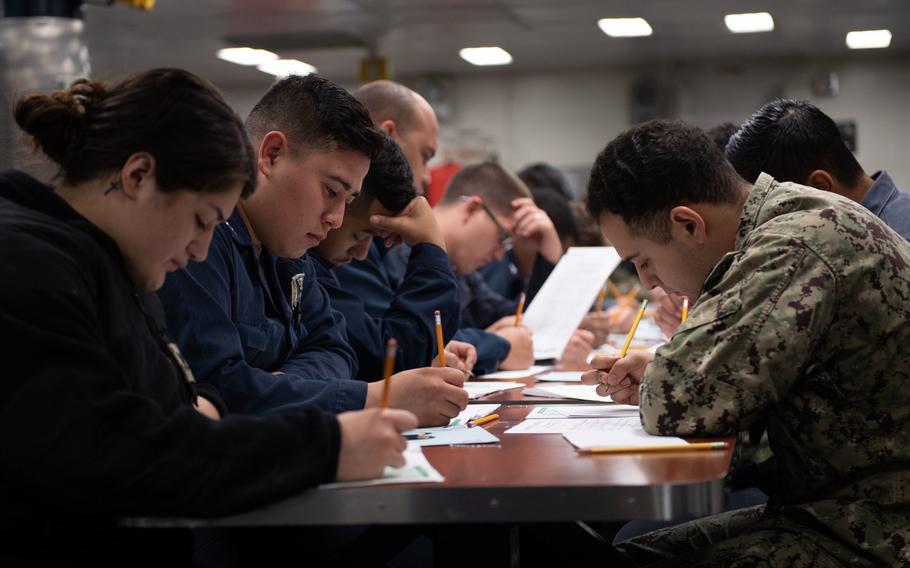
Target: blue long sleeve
x,y
234,323
375,312
491,349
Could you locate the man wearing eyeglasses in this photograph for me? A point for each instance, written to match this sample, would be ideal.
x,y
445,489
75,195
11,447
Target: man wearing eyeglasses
x,y
484,208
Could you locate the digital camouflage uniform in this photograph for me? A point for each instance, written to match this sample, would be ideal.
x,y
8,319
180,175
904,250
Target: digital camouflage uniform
x,y
805,326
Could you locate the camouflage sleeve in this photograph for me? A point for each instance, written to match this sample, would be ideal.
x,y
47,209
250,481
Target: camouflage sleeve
x,y
745,342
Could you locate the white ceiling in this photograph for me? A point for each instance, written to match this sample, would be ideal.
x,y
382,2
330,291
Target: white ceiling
x,y
422,37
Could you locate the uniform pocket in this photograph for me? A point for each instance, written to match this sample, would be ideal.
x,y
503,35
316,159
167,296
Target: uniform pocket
x,y
255,340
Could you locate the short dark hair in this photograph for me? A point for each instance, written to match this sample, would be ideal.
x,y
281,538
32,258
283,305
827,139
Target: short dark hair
x,y
315,114
545,176
490,181
721,134
789,139
90,130
655,166
556,207
388,100
389,180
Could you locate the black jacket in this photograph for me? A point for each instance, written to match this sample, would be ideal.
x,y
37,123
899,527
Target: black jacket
x,y
95,418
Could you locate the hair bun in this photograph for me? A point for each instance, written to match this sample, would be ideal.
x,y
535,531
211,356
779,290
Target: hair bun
x,y
57,121
87,94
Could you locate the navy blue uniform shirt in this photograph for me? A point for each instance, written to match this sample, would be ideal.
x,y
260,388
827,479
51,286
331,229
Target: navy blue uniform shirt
x,y
503,278
405,312
491,349
233,319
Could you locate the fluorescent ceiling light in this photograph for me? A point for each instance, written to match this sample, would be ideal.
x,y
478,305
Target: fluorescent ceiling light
x,y
868,39
749,23
286,67
246,55
625,27
485,55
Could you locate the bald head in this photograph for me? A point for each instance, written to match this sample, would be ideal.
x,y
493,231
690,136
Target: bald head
x,y
388,100
409,119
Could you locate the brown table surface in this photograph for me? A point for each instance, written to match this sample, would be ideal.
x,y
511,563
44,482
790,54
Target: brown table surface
x,y
523,478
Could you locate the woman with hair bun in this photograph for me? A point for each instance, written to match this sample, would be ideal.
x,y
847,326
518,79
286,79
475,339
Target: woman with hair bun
x,y
99,413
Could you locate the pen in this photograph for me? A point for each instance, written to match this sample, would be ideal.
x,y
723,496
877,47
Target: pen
x,y
391,348
697,447
440,345
641,312
484,420
685,310
521,307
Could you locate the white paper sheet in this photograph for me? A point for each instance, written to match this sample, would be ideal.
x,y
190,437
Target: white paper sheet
x,y
416,470
532,370
583,411
566,297
622,436
471,412
457,431
575,392
477,389
563,425
561,376
451,436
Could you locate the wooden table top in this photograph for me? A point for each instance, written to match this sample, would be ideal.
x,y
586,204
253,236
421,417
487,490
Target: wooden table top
x,y
548,459
523,478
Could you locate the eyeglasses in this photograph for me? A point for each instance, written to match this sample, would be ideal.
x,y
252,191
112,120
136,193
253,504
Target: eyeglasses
x,y
505,238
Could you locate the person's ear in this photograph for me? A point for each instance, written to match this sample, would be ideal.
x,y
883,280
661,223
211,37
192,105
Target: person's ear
x,y
820,179
470,204
388,126
274,147
687,225
137,173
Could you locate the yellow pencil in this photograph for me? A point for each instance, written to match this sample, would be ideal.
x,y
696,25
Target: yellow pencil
x,y
685,310
698,447
484,420
521,307
614,290
641,312
439,343
624,302
391,348
601,298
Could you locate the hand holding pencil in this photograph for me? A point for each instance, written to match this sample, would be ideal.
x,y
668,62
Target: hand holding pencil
x,y
618,377
624,374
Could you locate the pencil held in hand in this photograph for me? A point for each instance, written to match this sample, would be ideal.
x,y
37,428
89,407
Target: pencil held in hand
x,y
601,298
641,312
614,290
521,307
439,344
622,303
685,310
390,350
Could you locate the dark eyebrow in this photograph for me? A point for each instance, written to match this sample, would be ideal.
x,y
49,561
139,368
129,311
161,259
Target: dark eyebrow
x,y
345,183
218,212
630,257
